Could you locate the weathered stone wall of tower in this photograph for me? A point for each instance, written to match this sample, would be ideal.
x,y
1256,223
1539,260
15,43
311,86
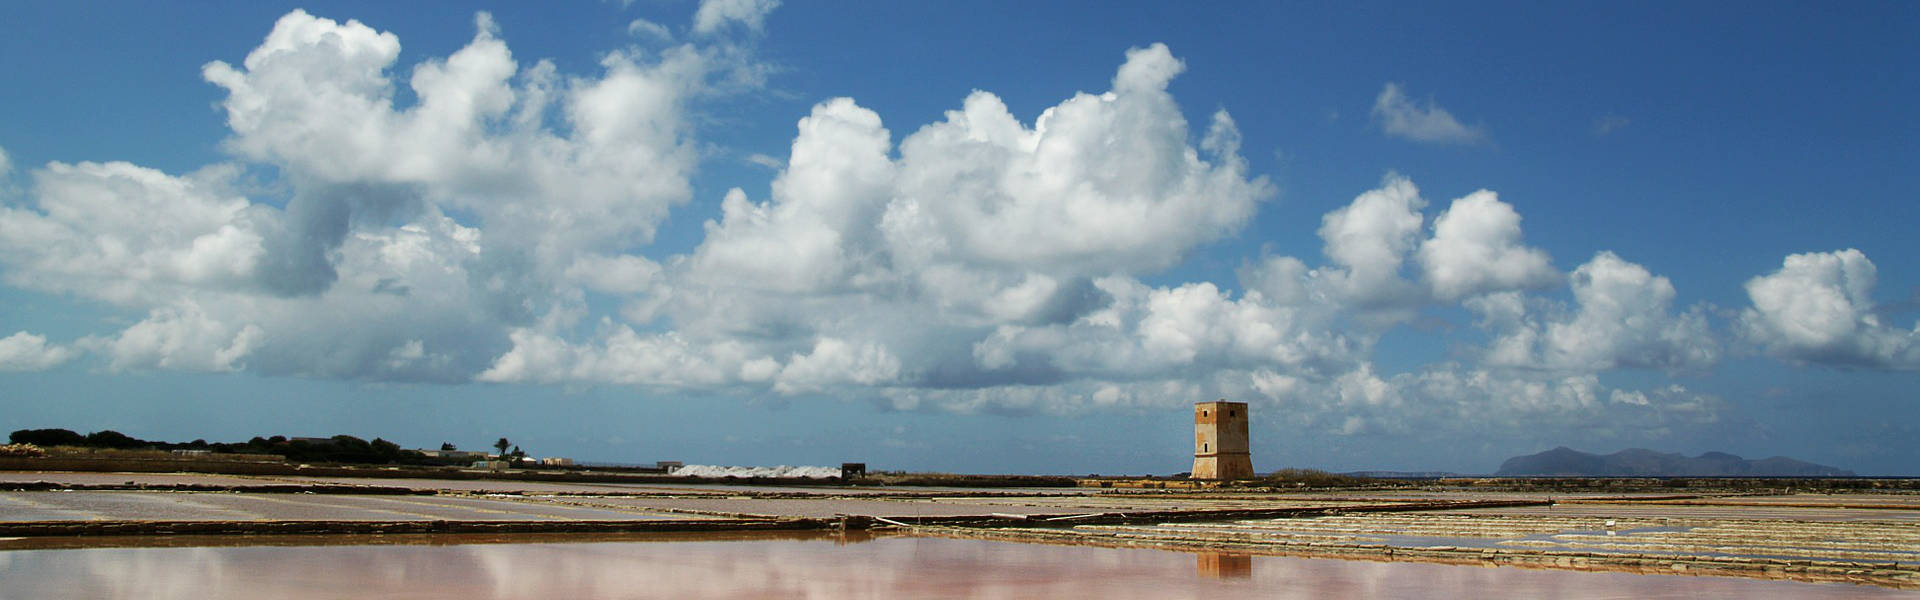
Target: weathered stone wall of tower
x,y
1220,445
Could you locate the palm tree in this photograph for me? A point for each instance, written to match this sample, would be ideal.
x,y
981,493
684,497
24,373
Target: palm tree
x,y
502,445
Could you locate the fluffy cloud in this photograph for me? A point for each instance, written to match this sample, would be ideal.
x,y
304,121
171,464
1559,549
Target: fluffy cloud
x,y
130,235
182,338
316,99
1100,184
623,274
359,272
819,231
1401,117
983,242
836,361
24,351
404,309
1370,238
1476,248
980,204
1622,317
622,355
715,14
1160,332
1819,308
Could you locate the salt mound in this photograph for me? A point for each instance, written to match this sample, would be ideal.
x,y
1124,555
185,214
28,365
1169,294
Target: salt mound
x,y
779,471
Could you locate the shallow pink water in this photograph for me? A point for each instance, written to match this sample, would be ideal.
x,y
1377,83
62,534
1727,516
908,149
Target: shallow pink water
x,y
891,567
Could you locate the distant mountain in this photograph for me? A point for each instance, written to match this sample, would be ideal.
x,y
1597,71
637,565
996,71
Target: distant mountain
x,y
1641,462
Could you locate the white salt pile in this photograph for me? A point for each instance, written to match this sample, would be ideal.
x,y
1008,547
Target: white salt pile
x,y
779,471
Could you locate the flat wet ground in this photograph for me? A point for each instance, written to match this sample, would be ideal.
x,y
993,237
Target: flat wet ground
x,y
786,567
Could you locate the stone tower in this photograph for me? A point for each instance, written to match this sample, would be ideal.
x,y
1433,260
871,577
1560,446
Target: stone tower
x,y
1220,441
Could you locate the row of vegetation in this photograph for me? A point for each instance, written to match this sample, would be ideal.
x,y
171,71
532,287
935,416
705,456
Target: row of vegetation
x,y
336,449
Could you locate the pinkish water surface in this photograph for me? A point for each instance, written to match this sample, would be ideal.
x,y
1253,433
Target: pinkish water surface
x,y
886,567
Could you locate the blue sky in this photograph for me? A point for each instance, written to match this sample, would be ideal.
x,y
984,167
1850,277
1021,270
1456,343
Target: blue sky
x,y
1002,237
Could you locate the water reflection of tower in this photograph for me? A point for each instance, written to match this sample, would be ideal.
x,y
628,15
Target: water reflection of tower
x,y
1223,566
852,536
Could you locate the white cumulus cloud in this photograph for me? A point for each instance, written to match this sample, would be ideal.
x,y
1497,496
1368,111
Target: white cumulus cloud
x,y
1369,239
837,361
820,228
25,351
1476,248
621,355
1622,316
317,98
1099,183
129,234
183,337
983,241
1819,308
361,272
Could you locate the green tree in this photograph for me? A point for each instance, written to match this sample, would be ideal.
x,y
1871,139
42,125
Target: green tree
x,y
114,439
48,437
502,445
387,451
447,447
